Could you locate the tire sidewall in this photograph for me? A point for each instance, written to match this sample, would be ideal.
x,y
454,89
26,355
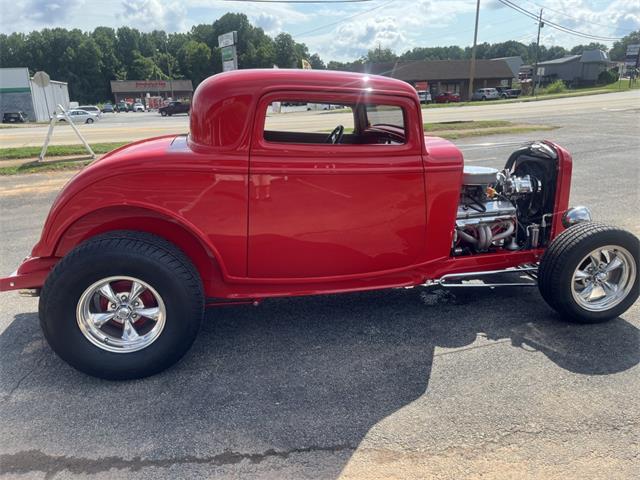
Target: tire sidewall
x,y
63,333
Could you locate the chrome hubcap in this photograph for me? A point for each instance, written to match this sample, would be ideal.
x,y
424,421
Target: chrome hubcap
x,y
121,314
603,278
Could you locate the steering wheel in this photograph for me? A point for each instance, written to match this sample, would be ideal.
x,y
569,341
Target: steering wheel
x,y
336,135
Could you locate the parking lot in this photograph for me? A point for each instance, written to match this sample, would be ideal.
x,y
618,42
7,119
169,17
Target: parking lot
x,y
410,384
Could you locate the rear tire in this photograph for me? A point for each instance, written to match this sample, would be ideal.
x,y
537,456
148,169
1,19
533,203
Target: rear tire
x,y
70,298
590,273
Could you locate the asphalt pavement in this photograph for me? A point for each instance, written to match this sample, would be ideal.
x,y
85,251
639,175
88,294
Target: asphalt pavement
x,y
411,384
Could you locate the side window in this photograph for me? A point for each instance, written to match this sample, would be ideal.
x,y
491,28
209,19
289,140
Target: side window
x,y
311,121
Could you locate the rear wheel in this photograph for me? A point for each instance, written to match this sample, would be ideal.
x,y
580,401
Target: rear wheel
x,y
122,305
589,273
163,113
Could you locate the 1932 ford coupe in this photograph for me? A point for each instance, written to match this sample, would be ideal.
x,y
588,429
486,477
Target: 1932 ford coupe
x,y
239,210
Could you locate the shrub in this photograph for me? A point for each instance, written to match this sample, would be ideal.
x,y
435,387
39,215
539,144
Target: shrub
x,y
556,87
607,76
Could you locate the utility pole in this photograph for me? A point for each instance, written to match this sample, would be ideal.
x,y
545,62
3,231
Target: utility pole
x,y
166,51
534,77
472,72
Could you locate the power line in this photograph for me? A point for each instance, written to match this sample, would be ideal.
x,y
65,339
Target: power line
x,y
321,27
561,28
579,19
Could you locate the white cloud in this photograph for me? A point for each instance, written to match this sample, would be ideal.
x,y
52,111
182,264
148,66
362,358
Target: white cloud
x,y
148,15
37,13
270,23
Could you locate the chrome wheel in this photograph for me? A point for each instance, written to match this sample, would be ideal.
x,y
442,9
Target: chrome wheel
x,y
121,314
603,278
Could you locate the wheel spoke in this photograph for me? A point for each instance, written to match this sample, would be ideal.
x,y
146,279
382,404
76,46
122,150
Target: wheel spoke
x,y
107,292
99,319
152,313
129,332
136,290
613,264
586,293
595,259
581,275
609,288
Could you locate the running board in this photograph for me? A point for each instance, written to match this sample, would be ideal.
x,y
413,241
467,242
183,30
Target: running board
x,y
447,281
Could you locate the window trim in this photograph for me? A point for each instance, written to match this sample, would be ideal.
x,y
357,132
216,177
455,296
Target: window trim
x,y
264,147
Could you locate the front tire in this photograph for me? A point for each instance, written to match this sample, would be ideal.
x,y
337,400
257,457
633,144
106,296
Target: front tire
x,y
89,120
122,305
590,272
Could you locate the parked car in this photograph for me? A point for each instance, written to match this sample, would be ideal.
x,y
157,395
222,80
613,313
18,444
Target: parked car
x,y
138,242
424,96
123,107
92,109
78,116
506,92
138,107
174,107
14,117
485,94
107,108
447,97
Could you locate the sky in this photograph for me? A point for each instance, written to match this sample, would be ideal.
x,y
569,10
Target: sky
x,y
342,31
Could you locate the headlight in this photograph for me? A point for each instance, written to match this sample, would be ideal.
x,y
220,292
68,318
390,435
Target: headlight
x,y
576,215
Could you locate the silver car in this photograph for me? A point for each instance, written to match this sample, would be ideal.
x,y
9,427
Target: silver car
x,y
485,94
78,116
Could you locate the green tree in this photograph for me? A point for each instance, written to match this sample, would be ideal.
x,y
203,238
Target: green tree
x,y
285,51
578,49
195,61
316,62
619,49
142,68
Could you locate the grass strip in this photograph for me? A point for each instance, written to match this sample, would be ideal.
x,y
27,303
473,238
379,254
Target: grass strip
x,y
56,150
34,167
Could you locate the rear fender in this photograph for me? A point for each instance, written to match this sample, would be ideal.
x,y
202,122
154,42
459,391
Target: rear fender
x,y
139,219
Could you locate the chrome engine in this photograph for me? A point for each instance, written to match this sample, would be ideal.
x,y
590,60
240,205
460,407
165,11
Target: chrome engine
x,y
487,216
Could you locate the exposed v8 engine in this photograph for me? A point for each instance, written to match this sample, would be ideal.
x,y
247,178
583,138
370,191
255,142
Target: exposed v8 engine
x,y
506,209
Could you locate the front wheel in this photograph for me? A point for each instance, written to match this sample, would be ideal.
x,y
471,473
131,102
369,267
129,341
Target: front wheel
x,y
122,305
589,273
89,120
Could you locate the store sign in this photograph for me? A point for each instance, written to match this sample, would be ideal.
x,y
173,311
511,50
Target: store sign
x,y
151,85
633,55
227,43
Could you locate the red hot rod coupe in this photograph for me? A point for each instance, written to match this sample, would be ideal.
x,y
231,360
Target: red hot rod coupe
x,y
138,243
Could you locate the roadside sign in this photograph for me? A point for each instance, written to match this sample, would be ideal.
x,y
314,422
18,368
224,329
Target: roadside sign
x,y
41,79
632,58
227,43
227,39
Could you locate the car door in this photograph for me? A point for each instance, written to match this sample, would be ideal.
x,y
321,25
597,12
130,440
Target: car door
x,y
323,210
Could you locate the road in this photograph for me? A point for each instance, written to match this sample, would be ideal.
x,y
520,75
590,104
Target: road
x,y
407,384
135,126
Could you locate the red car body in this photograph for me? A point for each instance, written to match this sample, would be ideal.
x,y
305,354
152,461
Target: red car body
x,y
339,218
447,97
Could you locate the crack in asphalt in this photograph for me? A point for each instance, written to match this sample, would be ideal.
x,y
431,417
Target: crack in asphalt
x,y
8,396
30,461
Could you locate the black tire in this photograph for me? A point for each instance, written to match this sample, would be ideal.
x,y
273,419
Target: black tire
x,y
122,253
562,257
89,120
163,113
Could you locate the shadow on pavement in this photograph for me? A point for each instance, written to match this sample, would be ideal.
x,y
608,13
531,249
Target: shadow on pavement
x,y
294,376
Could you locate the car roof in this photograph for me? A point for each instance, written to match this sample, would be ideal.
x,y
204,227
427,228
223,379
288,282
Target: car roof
x,y
233,94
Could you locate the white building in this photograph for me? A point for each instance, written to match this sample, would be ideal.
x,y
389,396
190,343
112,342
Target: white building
x,y
18,93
